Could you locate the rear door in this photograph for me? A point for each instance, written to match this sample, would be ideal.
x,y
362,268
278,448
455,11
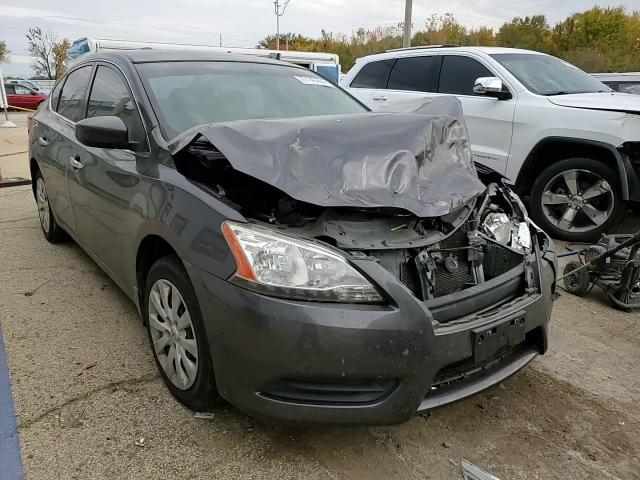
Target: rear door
x,y
489,120
371,77
104,181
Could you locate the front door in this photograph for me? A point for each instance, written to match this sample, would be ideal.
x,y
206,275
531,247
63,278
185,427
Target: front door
x,y
489,120
102,181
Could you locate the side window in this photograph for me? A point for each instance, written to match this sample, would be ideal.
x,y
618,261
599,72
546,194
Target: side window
x,y
628,87
415,73
55,96
73,94
373,75
20,90
10,89
110,96
459,74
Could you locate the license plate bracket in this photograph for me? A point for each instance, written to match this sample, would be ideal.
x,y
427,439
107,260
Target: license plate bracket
x,y
490,339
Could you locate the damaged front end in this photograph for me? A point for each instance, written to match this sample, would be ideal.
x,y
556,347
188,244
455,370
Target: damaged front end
x,y
399,189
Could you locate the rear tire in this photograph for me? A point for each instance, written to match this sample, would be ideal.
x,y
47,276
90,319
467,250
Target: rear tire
x,y
577,199
177,334
50,228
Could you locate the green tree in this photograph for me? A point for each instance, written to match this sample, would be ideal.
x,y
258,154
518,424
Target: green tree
x,y
4,53
441,30
529,32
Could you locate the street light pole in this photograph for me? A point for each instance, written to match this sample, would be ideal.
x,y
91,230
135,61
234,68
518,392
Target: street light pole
x,y
279,9
406,41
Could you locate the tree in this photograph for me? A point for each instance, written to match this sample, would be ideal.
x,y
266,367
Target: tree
x,y
59,53
4,53
49,54
529,32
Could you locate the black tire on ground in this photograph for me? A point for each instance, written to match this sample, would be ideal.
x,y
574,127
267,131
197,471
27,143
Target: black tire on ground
x,y
51,230
593,166
202,395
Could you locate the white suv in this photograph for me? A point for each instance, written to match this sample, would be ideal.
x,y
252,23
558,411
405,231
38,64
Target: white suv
x,y
563,138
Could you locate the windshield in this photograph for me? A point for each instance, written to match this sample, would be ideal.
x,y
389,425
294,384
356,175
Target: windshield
x,y
546,75
186,94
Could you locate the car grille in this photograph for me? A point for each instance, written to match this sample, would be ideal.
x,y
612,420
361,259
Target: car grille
x,y
329,392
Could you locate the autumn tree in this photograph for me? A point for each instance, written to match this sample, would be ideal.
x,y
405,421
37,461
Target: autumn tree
x,y
531,33
49,54
4,53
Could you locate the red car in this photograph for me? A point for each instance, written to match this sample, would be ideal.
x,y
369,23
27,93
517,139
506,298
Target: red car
x,y
20,96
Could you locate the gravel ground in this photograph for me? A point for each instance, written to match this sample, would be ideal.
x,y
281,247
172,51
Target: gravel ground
x,y
90,403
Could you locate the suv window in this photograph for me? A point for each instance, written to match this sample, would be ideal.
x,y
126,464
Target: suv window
x,y
110,96
458,74
414,73
373,75
73,93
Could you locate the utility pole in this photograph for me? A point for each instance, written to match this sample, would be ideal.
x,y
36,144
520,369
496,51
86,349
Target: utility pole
x,y
279,10
406,41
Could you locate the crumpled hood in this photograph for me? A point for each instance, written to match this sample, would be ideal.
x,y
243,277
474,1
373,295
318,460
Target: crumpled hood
x,y
419,161
612,101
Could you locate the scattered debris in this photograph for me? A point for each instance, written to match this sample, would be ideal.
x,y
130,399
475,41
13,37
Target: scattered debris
x,y
90,365
446,444
204,415
140,442
471,472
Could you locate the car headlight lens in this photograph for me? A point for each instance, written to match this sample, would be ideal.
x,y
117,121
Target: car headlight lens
x,y
284,266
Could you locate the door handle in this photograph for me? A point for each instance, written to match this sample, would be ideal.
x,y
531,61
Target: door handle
x,y
43,141
75,163
381,98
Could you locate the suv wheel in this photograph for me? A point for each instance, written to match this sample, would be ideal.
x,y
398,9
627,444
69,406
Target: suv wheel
x,y
50,228
177,335
577,199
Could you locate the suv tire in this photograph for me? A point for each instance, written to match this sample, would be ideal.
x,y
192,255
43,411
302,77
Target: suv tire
x,y
577,199
177,334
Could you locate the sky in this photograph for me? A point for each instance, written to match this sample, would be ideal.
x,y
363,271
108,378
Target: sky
x,y
243,23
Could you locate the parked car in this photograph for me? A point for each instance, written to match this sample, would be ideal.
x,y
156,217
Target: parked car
x,y
20,96
288,250
561,137
31,85
621,82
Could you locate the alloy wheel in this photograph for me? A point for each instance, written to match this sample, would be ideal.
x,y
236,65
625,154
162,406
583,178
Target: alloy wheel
x,y
43,205
577,201
173,335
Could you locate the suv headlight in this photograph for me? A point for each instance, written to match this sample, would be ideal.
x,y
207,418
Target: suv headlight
x,y
283,266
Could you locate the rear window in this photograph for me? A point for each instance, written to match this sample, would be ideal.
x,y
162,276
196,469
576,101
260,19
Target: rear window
x,y
415,73
373,75
73,94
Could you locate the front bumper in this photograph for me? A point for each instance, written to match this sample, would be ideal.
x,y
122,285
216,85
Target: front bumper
x,y
362,364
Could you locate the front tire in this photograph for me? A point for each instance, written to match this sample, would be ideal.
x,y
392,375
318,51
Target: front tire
x,y
177,334
50,228
577,199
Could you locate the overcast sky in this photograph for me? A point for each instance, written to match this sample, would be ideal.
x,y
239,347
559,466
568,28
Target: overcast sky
x,y
245,22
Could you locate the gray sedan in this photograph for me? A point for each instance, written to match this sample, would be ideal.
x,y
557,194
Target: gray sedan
x,y
289,250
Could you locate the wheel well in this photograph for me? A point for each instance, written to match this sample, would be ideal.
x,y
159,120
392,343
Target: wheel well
x,y
150,249
550,151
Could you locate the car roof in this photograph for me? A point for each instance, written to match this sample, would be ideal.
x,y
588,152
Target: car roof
x,y
618,76
402,52
148,55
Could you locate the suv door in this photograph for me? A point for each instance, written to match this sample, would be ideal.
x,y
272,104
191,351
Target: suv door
x,y
103,182
489,120
371,77
410,77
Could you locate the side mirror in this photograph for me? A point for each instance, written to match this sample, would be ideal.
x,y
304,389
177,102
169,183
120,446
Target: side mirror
x,y
103,132
491,87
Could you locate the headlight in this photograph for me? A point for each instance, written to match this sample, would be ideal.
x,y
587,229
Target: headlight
x,y
284,266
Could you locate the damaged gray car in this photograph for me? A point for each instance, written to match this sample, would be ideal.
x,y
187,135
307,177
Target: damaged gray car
x,y
288,250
